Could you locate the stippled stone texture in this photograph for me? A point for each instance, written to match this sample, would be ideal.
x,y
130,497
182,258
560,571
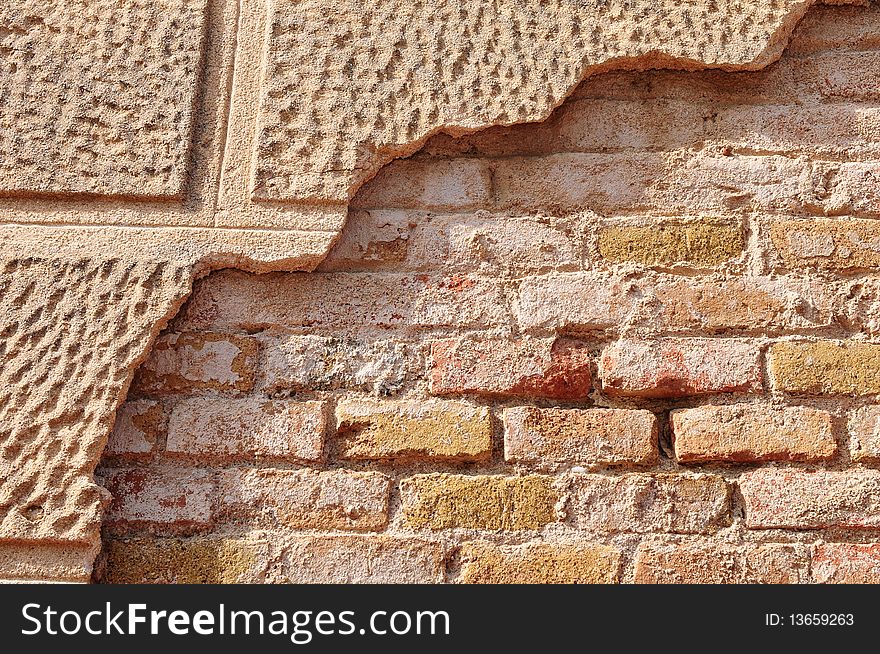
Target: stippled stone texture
x,y
98,97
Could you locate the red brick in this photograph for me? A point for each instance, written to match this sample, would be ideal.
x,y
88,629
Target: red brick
x,y
587,436
530,367
846,563
176,499
249,428
798,499
721,563
641,503
752,432
305,499
680,367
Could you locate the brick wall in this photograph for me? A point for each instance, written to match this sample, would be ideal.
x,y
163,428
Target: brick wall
x,y
637,342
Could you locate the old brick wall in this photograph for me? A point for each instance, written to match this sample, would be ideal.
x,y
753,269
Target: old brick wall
x,y
636,342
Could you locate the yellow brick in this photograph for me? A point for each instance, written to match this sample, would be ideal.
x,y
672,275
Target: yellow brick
x,y
826,367
427,429
700,243
444,501
179,561
837,244
539,563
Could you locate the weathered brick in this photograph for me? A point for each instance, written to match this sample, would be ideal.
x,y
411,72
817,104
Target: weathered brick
x,y
177,499
641,503
444,501
185,561
825,367
139,424
798,499
586,125
680,367
438,184
702,181
752,432
703,243
721,563
191,362
763,304
306,499
608,436
833,244
572,182
248,428
833,28
413,428
864,434
716,182
237,301
583,302
362,560
846,563
315,363
539,563
842,130
850,75
575,301
529,367
417,240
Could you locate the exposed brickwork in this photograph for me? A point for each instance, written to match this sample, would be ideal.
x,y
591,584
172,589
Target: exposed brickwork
x,y
797,499
247,429
700,244
139,426
558,369
635,342
192,363
176,499
752,432
679,368
305,499
441,501
361,560
609,436
540,563
864,434
846,563
185,561
647,503
826,368
426,429
721,563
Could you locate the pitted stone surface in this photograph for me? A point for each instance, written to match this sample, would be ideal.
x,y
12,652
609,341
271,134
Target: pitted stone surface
x,y
97,96
72,332
350,87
